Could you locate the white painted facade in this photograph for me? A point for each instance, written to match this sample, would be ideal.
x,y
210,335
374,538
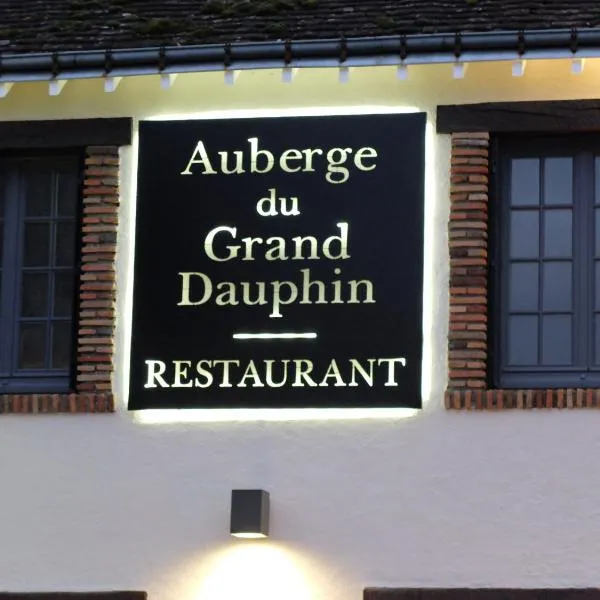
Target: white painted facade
x,y
436,498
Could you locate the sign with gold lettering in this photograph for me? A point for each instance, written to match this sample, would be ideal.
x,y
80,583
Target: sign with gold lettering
x,y
279,263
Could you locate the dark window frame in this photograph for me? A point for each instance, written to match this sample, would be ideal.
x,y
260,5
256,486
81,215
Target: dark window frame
x,y
583,147
114,595
490,593
45,380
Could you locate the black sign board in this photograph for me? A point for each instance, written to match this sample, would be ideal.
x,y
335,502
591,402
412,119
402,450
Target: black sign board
x,y
278,263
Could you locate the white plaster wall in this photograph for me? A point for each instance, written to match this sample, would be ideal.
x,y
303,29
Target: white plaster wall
x,y
438,499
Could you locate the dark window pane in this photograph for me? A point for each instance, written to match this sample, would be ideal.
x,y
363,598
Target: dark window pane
x,y
524,287
525,182
523,340
32,346
39,200
65,244
597,339
558,287
597,178
61,344
558,181
597,286
556,344
524,234
37,245
597,232
558,236
38,193
68,195
3,192
34,295
63,294
3,200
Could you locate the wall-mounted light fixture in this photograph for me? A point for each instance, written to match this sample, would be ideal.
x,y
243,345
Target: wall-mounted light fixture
x,y
249,514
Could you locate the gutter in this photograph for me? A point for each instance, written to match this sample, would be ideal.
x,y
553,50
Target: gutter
x,y
350,52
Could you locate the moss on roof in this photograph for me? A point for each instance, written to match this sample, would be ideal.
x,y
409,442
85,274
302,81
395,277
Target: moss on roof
x,y
32,25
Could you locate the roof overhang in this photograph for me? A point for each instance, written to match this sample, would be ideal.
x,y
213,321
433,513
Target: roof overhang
x,y
350,52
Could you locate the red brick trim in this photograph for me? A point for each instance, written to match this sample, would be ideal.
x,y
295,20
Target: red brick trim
x,y
464,399
468,239
93,391
468,326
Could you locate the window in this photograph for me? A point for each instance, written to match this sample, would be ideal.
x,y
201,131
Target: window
x,y
547,263
39,206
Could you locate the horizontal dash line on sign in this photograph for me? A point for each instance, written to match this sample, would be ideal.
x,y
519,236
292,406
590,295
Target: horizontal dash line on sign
x,y
275,336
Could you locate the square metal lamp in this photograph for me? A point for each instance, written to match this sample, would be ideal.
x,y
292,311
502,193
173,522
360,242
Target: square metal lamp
x,y
250,514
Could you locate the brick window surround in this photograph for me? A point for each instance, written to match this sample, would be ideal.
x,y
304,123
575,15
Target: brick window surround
x,y
468,339
95,321
99,140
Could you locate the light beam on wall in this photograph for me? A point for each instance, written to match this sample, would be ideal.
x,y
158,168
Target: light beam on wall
x,y
111,84
518,68
459,70
55,87
252,569
288,74
5,88
577,66
402,72
167,80
230,76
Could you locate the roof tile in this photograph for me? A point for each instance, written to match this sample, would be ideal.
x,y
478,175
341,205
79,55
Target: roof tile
x,y
34,25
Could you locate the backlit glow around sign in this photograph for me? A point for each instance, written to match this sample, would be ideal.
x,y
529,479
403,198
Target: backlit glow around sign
x,y
330,251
